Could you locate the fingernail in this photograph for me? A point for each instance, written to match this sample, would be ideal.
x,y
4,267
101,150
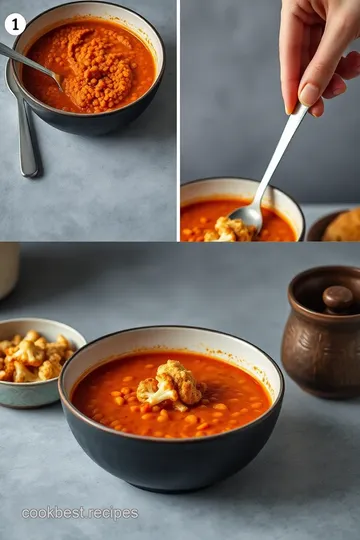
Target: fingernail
x,y
309,95
339,90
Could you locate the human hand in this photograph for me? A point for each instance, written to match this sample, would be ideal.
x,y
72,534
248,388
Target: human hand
x,y
313,37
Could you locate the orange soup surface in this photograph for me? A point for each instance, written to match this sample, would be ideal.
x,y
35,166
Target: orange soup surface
x,y
199,217
104,67
233,398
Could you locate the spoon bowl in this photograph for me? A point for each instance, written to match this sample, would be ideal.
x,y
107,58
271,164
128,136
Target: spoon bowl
x,y
13,55
250,215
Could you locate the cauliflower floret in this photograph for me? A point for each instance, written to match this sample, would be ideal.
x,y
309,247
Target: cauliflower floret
x,y
32,335
23,374
226,235
49,370
230,230
33,351
189,392
154,391
29,354
51,367
16,340
68,354
41,343
7,370
4,345
61,340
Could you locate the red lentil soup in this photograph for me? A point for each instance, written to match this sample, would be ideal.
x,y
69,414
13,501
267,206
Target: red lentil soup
x,y
104,66
199,217
108,395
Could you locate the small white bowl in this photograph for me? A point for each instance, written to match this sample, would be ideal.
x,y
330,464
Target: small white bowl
x,y
242,188
37,394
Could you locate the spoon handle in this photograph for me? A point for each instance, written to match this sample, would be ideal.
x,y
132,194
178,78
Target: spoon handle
x,y
293,123
10,53
28,165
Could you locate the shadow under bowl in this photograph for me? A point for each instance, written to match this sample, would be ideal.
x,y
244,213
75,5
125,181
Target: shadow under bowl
x,y
317,230
41,393
97,123
244,188
172,465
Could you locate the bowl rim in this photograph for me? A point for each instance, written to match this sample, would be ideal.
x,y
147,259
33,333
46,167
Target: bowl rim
x,y
314,315
91,115
38,320
193,440
222,178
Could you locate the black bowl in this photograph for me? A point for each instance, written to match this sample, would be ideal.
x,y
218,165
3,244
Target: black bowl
x,y
99,123
172,465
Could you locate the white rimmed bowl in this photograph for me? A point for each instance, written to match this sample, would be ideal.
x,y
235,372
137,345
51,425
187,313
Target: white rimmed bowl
x,y
99,123
37,394
243,188
172,465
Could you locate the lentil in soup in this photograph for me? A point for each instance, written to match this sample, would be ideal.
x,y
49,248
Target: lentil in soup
x,y
200,217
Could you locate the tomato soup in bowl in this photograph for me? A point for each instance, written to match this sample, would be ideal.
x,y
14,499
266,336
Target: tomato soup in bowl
x,y
203,202
139,400
110,58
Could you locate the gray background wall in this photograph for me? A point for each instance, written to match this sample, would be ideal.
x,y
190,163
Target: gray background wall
x,y
232,112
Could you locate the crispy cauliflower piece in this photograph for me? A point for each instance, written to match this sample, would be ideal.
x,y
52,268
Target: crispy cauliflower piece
x,y
49,370
4,345
32,335
41,343
184,381
154,391
23,374
7,370
226,235
61,340
16,340
29,354
68,354
230,230
35,352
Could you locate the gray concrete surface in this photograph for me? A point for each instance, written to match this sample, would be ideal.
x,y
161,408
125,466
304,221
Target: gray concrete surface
x,y
232,111
305,483
94,189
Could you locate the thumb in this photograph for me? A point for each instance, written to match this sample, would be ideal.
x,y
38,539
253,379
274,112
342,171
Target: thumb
x,y
337,36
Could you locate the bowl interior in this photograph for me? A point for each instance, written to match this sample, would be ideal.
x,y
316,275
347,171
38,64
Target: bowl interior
x,y
58,15
235,351
241,188
49,329
307,288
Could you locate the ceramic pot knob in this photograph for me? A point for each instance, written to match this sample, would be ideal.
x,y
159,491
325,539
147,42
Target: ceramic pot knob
x,y
338,300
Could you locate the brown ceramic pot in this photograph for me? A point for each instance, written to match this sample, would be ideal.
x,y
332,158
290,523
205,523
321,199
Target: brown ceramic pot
x,y
321,342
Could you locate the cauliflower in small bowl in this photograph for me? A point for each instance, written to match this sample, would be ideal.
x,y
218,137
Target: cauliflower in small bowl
x,y
32,354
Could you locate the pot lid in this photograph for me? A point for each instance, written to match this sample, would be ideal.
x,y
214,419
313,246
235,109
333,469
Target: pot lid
x,y
328,291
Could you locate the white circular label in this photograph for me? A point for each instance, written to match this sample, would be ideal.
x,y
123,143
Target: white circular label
x,y
15,24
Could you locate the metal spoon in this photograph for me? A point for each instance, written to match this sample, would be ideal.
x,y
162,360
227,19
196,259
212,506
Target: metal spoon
x,y
10,53
28,163
251,214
